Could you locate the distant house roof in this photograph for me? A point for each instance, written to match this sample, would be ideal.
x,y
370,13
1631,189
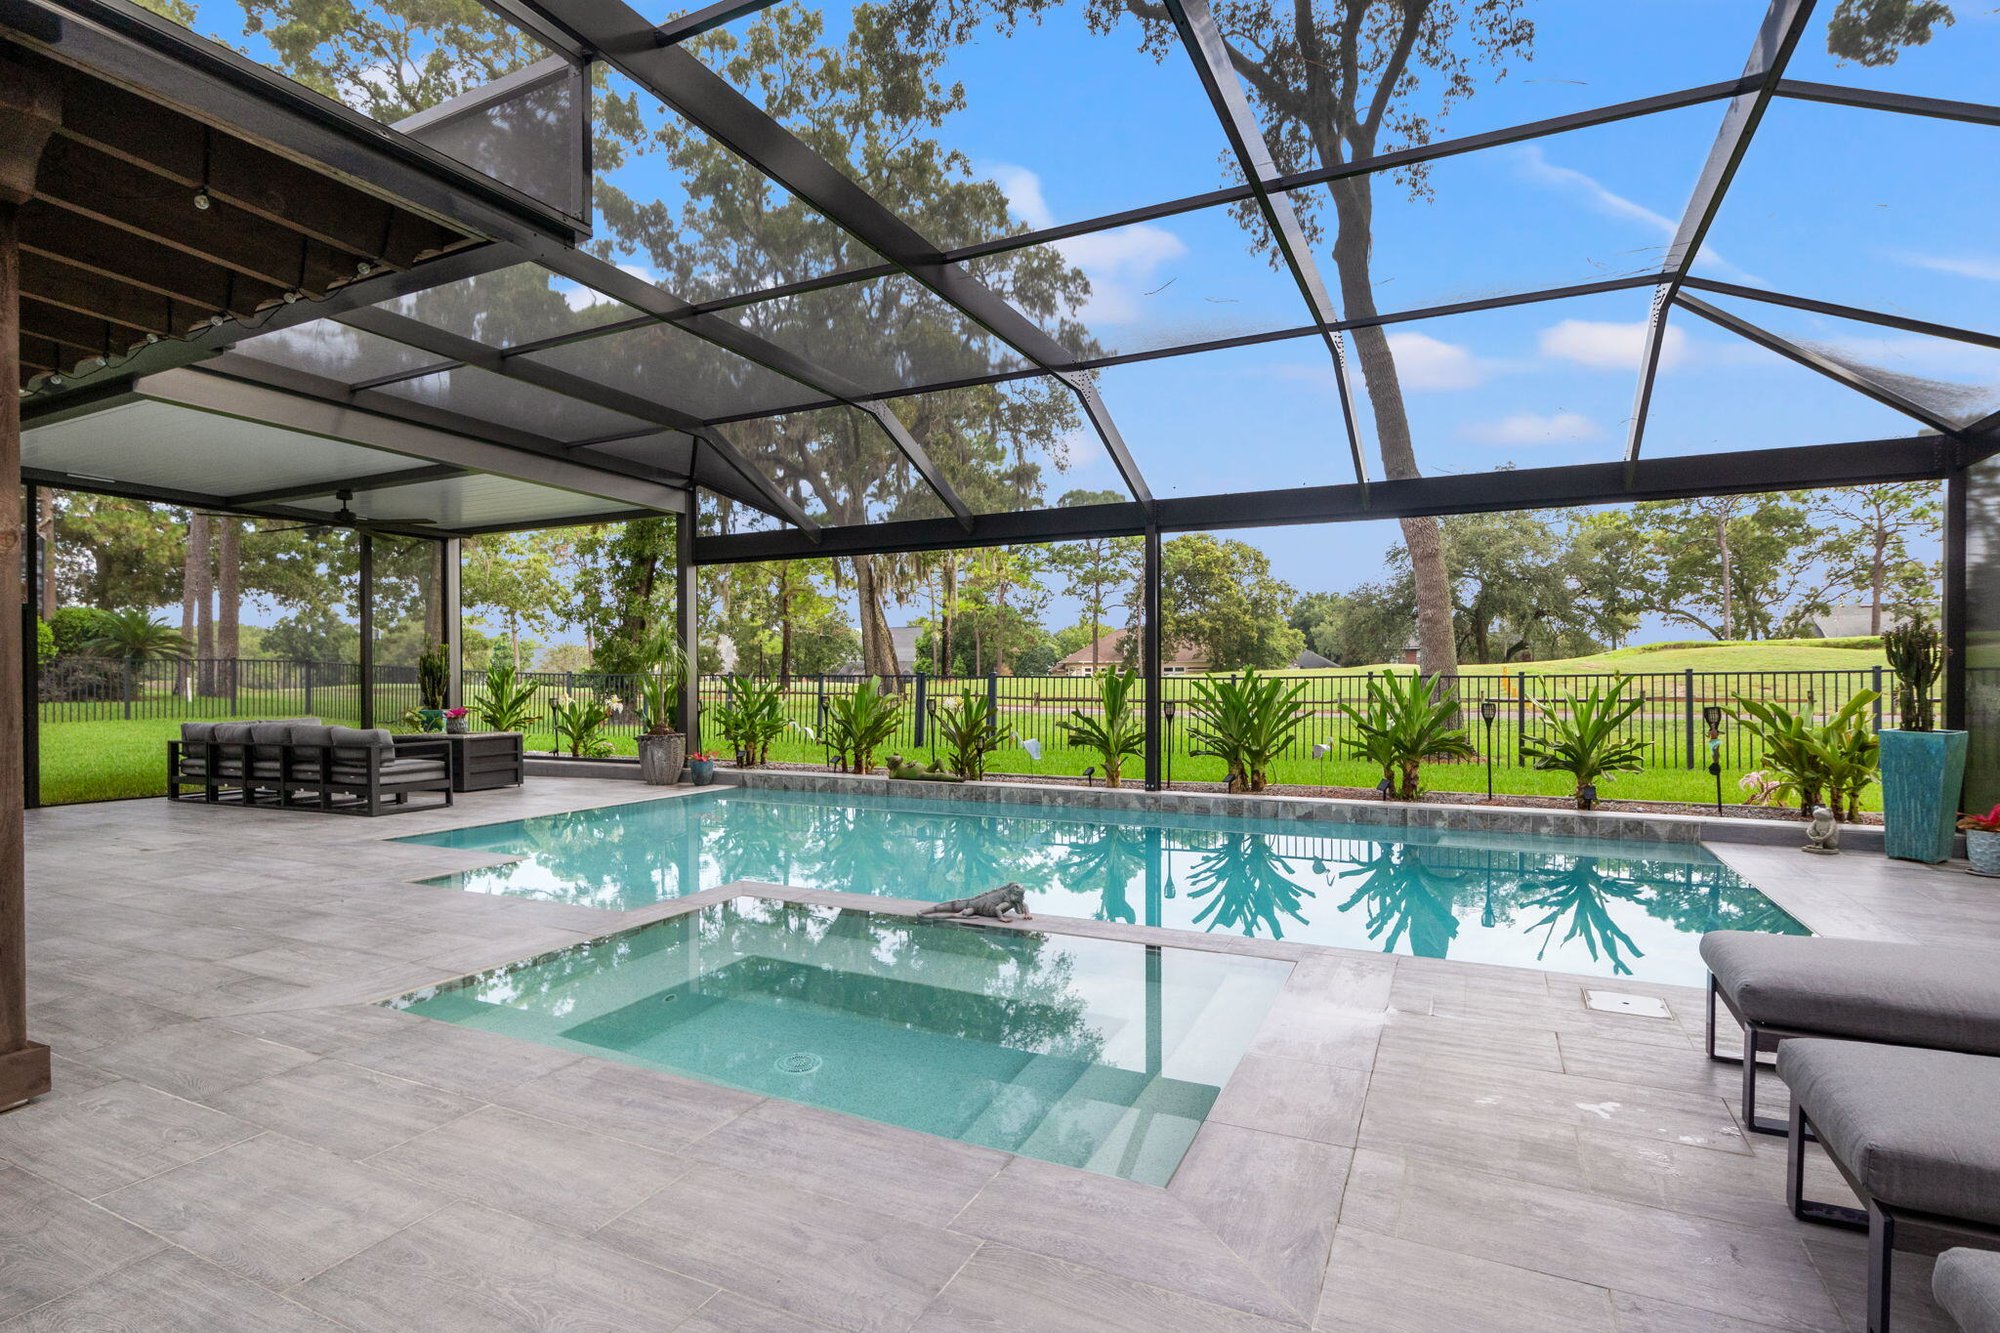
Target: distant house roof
x,y
1111,647
903,638
1308,660
1852,622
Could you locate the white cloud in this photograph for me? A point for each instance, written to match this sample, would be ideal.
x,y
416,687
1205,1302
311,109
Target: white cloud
x,y
1600,198
1427,363
1986,268
1123,265
1607,345
1535,428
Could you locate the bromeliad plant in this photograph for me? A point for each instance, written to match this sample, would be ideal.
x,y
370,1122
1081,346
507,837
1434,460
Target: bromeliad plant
x,y
1829,763
750,717
860,723
660,685
506,701
1584,740
1410,719
970,729
1116,732
579,724
1245,721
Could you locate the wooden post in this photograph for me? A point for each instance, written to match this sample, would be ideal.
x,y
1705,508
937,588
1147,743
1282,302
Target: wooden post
x,y
30,110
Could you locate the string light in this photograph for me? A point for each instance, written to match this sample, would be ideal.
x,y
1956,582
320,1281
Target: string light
x,y
201,199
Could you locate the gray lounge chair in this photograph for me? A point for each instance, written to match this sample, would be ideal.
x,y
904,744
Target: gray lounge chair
x,y
1967,1286
1913,1133
1782,986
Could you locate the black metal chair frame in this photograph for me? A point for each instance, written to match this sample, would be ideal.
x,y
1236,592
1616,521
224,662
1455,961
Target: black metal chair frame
x,y
1878,1219
309,769
1757,1038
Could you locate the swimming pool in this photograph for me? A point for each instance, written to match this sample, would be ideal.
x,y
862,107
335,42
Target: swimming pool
x,y
1093,1053
1603,908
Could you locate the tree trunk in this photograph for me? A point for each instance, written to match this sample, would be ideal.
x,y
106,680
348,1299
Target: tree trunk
x,y
1877,570
1423,537
784,626
1728,574
229,589
197,559
204,610
878,651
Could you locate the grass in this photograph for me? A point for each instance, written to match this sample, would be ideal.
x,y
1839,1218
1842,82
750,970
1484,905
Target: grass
x,y
1764,655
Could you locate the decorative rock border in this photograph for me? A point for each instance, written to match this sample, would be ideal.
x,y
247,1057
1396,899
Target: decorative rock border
x,y
1313,809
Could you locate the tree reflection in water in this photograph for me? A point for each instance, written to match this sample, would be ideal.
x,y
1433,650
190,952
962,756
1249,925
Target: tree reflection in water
x,y
1249,886
1104,859
1577,890
1404,896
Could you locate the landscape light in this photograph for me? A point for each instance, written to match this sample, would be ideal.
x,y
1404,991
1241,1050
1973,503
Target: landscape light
x,y
1712,715
1489,709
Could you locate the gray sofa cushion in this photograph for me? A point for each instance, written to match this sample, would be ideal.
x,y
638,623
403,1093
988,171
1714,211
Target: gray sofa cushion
x,y
232,733
224,768
1908,994
266,737
1915,1127
351,744
311,733
197,731
1967,1284
395,771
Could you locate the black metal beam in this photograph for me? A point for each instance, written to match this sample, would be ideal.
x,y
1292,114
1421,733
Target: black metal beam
x,y
707,101
1862,463
365,613
1152,644
1825,365
1784,23
1202,38
707,19
1857,313
1956,598
202,500
1937,108
378,481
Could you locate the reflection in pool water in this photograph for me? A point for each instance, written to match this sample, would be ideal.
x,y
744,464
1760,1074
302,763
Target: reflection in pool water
x,y
1599,907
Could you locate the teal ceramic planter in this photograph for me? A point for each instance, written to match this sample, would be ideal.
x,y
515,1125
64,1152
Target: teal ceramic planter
x,y
1922,772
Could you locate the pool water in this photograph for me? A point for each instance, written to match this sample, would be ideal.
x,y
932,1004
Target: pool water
x,y
1093,1053
1598,907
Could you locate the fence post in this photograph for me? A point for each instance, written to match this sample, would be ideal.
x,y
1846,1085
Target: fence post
x,y
919,722
1687,712
1520,721
235,675
307,674
127,669
1877,687
993,693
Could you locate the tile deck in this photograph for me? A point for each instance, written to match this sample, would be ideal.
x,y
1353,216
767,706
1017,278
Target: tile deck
x,y
239,1139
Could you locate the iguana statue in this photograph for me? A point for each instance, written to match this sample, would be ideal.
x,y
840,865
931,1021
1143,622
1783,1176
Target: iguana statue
x,y
906,771
995,903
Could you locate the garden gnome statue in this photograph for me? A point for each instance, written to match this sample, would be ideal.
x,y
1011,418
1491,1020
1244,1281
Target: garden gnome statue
x,y
1823,833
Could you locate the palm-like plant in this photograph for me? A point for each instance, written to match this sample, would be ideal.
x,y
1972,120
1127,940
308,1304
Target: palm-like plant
x,y
751,717
860,723
506,701
434,677
970,730
137,637
579,724
1828,763
661,683
1245,721
1116,732
1407,722
1584,740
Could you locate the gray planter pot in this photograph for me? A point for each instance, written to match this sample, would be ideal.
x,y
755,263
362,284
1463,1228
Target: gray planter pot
x,y
661,758
1983,850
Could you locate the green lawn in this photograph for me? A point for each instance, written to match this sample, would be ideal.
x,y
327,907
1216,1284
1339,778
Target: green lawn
x,y
1762,655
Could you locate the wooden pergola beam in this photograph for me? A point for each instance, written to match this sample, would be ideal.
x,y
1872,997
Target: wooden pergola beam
x,y
30,110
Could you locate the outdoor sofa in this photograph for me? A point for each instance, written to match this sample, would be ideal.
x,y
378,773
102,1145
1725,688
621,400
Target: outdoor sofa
x,y
302,763
1967,1286
1913,1133
1783,986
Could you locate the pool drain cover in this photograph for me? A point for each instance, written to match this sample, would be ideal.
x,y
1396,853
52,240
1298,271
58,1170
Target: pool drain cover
x,y
798,1062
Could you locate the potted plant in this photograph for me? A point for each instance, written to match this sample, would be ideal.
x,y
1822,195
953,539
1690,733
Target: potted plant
x,y
1923,769
1245,721
663,746
1584,740
970,731
1982,841
456,721
701,768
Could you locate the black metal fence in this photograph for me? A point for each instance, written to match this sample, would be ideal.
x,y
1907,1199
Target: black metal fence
x,y
1669,719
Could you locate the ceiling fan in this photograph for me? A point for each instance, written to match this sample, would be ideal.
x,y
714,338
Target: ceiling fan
x,y
345,517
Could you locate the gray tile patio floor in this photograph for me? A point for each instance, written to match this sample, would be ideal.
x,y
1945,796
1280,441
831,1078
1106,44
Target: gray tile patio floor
x,y
238,1140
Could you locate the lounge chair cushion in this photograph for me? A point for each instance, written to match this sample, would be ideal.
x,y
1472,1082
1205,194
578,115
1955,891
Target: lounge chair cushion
x,y
311,733
395,771
224,768
1908,994
1915,1127
1967,1284
351,744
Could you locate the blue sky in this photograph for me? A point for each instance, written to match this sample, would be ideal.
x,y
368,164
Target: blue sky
x,y
1857,207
